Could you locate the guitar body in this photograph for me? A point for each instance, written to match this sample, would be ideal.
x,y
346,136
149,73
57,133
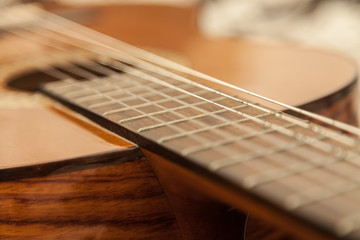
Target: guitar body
x,y
63,177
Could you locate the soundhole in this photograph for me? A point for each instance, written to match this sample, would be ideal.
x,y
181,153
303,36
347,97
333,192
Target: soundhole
x,y
32,81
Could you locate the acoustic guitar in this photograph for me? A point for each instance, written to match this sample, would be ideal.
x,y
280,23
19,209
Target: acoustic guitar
x,y
102,140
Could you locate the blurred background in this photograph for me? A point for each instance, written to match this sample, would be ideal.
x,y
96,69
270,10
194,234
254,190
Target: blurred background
x,y
324,23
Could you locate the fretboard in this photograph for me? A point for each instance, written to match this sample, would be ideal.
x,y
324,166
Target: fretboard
x,y
291,163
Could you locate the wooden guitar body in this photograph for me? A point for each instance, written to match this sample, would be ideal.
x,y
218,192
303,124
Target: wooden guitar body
x,y
63,177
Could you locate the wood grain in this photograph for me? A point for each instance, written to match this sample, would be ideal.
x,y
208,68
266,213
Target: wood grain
x,y
120,201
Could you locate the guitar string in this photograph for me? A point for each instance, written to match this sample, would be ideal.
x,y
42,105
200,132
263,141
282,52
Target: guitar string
x,y
316,128
97,38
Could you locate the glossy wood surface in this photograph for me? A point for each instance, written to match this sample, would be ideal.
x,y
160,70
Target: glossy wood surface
x,y
116,201
24,145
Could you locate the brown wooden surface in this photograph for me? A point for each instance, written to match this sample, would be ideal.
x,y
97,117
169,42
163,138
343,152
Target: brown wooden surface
x,y
119,201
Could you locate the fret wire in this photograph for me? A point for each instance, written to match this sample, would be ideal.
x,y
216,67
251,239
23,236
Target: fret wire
x,y
217,165
271,175
317,194
195,149
87,98
164,139
96,37
165,110
173,137
347,223
330,159
295,200
142,105
110,93
79,96
122,99
77,93
182,120
265,177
